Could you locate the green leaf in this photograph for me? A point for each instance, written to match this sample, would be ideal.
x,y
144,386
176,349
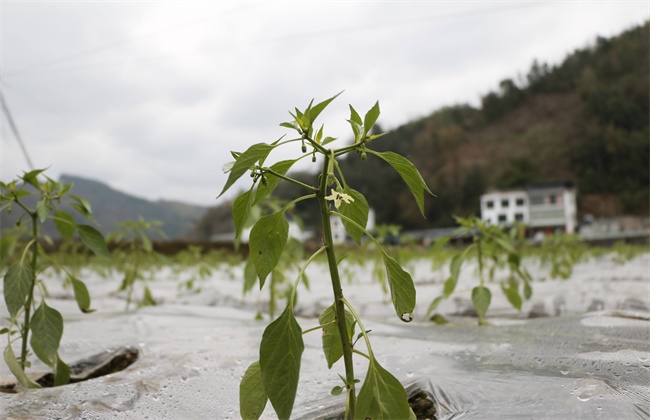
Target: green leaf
x,y
355,117
316,110
280,353
332,346
434,304
481,297
31,177
409,174
244,162
252,395
147,298
513,296
94,240
337,390
81,295
16,370
47,329
267,240
328,140
370,118
82,205
65,224
61,373
241,209
381,396
250,275
402,289
454,268
357,210
17,284
264,191
439,319
42,209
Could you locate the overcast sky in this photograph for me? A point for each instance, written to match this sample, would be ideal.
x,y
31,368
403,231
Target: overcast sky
x,y
150,97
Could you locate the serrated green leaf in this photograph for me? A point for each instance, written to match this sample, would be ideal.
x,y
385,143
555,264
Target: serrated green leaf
x,y
332,347
381,396
358,211
94,240
402,289
244,162
14,367
241,209
65,224
280,353
481,298
409,174
267,240
252,395
272,181
250,275
370,118
81,295
16,285
47,330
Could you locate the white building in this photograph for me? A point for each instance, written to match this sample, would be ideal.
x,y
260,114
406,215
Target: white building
x,y
549,205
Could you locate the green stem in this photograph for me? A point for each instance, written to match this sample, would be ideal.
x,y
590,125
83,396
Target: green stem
x,y
338,293
30,296
297,200
371,356
286,178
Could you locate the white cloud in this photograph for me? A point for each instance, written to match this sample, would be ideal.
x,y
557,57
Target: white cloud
x,y
151,97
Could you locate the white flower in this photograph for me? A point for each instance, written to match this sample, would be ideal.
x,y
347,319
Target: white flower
x,y
337,197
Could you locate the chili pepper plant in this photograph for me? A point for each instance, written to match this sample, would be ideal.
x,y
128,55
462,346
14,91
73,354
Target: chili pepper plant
x,y
275,376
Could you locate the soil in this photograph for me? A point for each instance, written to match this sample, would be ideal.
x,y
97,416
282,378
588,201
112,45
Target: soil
x,y
93,367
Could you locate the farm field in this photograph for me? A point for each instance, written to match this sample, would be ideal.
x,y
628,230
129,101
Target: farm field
x,y
579,348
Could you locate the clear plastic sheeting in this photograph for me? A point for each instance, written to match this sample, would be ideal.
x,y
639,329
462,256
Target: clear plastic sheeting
x,y
194,349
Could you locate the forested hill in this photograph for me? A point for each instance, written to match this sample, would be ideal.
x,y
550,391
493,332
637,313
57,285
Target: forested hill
x,y
111,207
584,120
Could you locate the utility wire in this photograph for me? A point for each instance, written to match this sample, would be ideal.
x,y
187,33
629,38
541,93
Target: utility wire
x,y
14,129
374,26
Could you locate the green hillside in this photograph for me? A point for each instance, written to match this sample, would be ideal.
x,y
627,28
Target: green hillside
x,y
111,206
584,120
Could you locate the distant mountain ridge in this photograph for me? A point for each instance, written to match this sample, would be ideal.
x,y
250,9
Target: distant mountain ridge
x,y
110,206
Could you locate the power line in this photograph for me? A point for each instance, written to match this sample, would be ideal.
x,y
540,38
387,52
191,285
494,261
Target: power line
x,y
14,129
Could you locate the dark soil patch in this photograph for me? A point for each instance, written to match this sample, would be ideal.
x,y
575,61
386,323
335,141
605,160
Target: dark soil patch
x,y
93,367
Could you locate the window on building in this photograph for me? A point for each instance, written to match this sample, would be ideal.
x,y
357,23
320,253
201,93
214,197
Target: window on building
x,y
519,202
489,204
519,217
502,218
505,202
552,199
536,200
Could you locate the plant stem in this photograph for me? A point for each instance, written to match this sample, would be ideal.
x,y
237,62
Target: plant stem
x,y
338,293
30,296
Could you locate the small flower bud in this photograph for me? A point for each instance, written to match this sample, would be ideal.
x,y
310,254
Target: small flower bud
x,y
364,156
304,148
